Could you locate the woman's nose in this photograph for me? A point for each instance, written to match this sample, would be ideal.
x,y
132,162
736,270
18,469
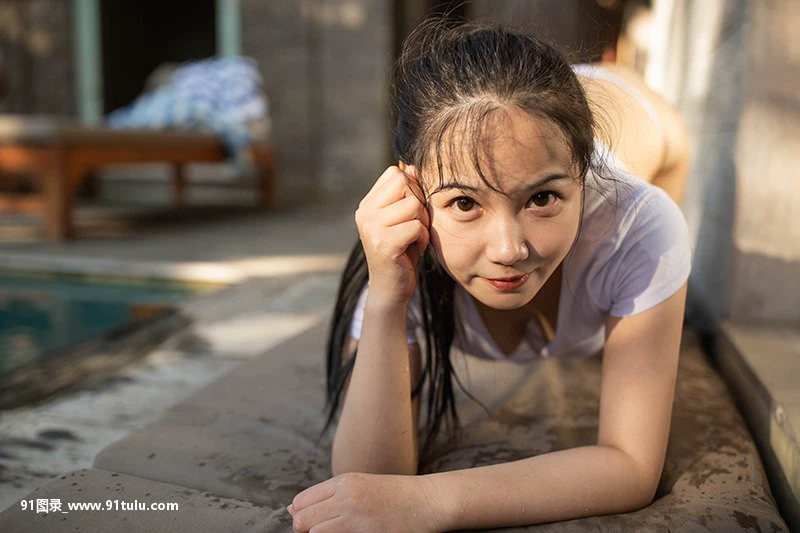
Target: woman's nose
x,y
507,244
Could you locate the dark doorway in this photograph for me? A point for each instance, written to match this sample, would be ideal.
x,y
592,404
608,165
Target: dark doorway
x,y
139,36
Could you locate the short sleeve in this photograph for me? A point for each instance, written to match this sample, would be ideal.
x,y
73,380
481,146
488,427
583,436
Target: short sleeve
x,y
413,317
654,258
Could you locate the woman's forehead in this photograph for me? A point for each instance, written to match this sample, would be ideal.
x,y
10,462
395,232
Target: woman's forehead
x,y
510,146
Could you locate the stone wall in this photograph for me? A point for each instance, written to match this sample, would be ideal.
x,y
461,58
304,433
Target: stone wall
x,y
580,28
326,64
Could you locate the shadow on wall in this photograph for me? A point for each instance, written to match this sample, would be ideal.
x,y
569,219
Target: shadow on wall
x,y
767,234
737,78
703,70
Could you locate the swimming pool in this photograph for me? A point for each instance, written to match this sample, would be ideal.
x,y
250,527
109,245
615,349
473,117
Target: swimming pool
x,y
43,314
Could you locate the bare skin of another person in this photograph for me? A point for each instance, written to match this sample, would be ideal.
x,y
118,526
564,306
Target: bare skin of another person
x,y
659,157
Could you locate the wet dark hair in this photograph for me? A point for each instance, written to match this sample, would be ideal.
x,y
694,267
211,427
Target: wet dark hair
x,y
448,81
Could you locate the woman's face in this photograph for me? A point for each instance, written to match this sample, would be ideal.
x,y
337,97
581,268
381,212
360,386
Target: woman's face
x,y
479,234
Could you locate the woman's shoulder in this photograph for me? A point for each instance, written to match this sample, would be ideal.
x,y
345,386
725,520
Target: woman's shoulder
x,y
623,208
611,190
636,247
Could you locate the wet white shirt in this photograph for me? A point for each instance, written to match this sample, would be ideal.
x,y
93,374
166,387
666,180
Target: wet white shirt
x,y
625,261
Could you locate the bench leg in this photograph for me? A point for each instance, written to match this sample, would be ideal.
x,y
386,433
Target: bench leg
x,y
266,179
91,186
179,185
52,173
57,199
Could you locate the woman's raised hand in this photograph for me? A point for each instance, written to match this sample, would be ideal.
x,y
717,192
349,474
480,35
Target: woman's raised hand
x,y
393,224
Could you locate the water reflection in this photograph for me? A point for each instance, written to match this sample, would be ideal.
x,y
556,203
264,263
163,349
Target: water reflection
x,y
39,316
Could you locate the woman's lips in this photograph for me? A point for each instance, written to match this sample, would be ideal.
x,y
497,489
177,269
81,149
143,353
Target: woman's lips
x,y
506,284
514,278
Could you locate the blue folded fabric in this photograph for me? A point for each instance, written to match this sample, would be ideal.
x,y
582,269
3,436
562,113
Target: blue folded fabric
x,y
219,95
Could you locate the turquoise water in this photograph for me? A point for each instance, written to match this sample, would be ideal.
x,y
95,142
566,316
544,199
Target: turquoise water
x,y
41,315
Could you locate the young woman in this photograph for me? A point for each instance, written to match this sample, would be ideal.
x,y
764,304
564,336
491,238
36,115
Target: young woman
x,y
511,229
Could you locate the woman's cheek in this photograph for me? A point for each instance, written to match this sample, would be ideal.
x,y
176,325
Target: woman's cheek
x,y
445,234
451,230
556,241
453,250
438,246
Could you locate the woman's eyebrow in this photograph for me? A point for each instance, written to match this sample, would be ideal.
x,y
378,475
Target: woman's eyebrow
x,y
465,187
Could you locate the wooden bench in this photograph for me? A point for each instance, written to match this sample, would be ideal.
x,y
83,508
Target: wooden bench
x,y
61,156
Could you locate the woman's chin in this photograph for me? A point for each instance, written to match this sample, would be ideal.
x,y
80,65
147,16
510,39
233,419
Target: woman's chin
x,y
503,301
508,303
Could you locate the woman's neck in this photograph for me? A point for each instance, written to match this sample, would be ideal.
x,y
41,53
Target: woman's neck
x,y
510,325
547,299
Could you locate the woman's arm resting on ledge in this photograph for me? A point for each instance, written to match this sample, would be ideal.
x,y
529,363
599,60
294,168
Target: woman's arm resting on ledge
x,y
562,485
619,474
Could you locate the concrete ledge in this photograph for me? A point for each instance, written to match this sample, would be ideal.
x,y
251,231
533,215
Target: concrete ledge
x,y
761,365
250,436
197,511
243,435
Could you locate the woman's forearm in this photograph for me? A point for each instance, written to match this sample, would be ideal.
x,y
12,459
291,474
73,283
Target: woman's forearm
x,y
574,483
374,434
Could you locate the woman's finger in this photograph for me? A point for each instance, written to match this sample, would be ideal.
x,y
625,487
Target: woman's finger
x,y
423,242
314,494
314,515
414,184
404,235
392,190
408,208
390,173
417,248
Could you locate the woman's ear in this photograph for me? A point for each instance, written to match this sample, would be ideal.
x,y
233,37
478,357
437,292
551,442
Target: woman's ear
x,y
402,166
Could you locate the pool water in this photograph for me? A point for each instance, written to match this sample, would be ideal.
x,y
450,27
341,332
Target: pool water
x,y
40,315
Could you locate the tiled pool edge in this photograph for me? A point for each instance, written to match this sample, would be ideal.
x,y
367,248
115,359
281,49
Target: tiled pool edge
x,y
774,433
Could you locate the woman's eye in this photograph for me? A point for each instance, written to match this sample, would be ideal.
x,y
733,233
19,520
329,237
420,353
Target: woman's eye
x,y
464,203
541,199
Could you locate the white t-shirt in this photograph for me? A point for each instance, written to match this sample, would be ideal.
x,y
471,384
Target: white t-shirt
x,y
625,261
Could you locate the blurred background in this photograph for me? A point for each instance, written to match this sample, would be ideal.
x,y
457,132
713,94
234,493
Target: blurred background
x,y
730,66
318,72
